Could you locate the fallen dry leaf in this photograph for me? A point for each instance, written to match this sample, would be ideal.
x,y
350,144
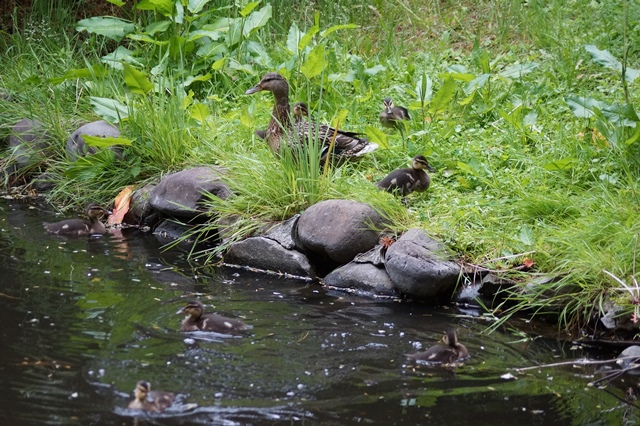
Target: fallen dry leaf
x,y
121,206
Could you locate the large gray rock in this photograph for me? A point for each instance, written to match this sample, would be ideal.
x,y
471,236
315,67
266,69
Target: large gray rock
x,y
29,141
339,229
76,145
419,267
268,255
140,209
180,194
361,276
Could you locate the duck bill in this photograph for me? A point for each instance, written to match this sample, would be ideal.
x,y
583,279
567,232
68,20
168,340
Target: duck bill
x,y
253,90
431,169
107,212
180,311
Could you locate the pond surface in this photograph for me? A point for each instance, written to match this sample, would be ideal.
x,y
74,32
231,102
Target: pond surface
x,y
83,319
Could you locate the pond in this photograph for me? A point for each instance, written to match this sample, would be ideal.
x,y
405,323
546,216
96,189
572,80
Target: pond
x,y
83,319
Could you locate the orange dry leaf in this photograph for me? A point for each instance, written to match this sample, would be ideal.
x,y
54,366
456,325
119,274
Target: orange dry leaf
x,y
528,263
122,206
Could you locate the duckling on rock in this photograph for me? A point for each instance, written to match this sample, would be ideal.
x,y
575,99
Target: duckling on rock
x,y
451,351
148,400
282,131
406,181
81,226
197,320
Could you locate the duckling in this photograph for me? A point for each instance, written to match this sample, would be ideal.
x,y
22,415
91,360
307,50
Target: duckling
x,y
392,116
282,131
451,351
80,226
147,400
406,181
198,320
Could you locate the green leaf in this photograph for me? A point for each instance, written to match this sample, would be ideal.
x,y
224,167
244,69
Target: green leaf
x,y
374,70
584,107
72,74
217,65
306,39
257,20
109,109
157,27
164,7
338,27
118,3
248,8
560,165
424,88
314,64
606,59
293,38
634,138
101,142
199,112
376,135
136,80
193,79
113,28
518,70
195,6
443,96
526,235
476,83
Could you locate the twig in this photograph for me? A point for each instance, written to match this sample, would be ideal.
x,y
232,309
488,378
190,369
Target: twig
x,y
578,361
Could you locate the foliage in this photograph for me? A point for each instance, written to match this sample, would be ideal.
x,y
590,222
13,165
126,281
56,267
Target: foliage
x,y
530,124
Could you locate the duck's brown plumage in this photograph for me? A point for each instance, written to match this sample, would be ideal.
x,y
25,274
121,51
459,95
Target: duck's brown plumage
x,y
89,226
408,180
283,130
391,114
148,400
197,320
450,351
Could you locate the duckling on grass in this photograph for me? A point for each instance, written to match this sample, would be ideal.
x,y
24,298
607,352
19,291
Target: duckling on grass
x,y
408,180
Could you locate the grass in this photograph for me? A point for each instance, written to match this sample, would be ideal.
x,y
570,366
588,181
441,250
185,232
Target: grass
x,y
517,170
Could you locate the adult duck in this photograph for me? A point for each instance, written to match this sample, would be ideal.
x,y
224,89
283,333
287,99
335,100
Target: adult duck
x,y
451,351
71,227
300,111
197,320
285,129
148,400
408,180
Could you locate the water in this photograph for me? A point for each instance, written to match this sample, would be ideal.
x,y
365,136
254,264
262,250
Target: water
x,y
84,319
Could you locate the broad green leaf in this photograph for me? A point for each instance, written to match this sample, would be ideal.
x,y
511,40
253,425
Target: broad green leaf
x,y
340,118
306,39
119,56
376,135
314,64
199,112
112,28
443,96
606,59
193,79
338,27
457,69
621,115
72,74
526,235
466,77
164,7
248,8
136,80
257,20
147,39
100,142
518,70
178,17
634,138
118,3
195,6
476,83
109,109
211,49
187,101
157,27
374,70
468,99
217,65
198,34
583,107
562,164
293,38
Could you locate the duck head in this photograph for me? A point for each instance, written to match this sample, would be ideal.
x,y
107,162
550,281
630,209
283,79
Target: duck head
x,y
95,211
272,82
194,309
420,163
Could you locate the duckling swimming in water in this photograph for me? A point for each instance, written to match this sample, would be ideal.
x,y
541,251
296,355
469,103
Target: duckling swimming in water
x,y
80,226
198,320
406,181
147,400
451,351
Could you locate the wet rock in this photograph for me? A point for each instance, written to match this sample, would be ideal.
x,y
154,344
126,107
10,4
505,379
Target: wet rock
x,y
268,255
418,266
362,276
44,182
339,229
180,194
630,359
613,318
169,230
140,210
286,234
29,141
77,147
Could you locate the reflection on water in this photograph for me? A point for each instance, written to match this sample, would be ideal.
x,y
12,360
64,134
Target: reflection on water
x,y
84,319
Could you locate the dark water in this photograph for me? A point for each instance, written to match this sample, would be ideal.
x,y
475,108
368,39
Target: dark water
x,y
81,320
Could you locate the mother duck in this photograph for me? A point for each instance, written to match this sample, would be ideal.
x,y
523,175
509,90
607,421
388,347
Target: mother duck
x,y
282,129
